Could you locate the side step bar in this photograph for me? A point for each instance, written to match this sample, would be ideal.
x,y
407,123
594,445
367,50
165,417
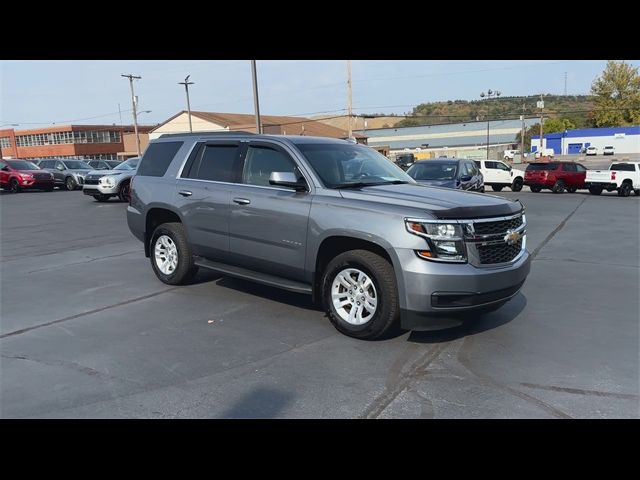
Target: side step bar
x,y
259,277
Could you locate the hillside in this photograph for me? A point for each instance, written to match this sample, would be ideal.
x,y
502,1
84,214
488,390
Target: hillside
x,y
382,121
575,108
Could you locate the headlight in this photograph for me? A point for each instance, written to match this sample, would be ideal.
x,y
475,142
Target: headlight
x,y
108,181
444,241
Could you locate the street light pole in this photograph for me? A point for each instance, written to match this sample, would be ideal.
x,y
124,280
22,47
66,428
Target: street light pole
x,y
186,84
135,114
256,101
349,98
489,93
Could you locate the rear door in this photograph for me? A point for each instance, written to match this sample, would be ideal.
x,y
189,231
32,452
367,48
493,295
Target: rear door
x,y
4,173
581,176
268,224
203,192
570,175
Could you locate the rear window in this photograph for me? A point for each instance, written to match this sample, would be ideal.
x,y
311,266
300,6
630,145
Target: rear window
x,y
623,167
157,158
542,166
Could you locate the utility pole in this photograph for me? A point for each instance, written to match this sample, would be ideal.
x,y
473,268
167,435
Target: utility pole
x,y
522,135
186,84
349,100
541,107
135,107
256,102
565,84
489,93
120,114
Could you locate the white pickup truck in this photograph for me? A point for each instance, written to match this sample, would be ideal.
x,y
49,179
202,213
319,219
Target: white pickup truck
x,y
621,176
498,175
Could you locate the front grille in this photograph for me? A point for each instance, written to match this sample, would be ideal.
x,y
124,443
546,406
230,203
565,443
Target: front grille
x,y
499,253
91,181
42,176
501,226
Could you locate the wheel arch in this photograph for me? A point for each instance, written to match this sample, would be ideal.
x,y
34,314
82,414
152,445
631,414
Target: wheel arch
x,y
157,215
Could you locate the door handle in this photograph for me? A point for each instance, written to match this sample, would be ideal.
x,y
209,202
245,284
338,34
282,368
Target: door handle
x,y
242,201
185,193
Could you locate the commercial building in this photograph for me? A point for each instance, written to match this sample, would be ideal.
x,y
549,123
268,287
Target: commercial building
x,y
104,142
623,139
468,139
273,124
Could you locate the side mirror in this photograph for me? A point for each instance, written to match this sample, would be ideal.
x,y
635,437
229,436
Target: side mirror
x,y
287,179
465,178
59,167
5,169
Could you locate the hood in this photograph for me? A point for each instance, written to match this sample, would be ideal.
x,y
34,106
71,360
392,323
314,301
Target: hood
x,y
81,172
442,203
32,172
102,173
438,183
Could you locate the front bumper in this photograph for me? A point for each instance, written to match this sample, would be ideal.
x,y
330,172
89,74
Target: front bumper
x,y
99,190
25,184
433,291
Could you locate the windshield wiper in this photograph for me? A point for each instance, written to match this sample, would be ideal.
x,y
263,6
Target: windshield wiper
x,y
369,184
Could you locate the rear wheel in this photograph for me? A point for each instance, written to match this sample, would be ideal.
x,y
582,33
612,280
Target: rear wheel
x,y
70,183
535,188
624,190
360,294
516,186
595,190
558,187
14,186
171,256
101,198
496,188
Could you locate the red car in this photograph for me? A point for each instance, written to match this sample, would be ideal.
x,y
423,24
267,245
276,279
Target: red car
x,y
556,176
16,175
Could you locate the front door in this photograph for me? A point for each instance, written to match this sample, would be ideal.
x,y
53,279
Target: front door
x,y
503,173
202,195
268,224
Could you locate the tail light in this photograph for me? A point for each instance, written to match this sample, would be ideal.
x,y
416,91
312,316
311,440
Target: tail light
x,y
613,175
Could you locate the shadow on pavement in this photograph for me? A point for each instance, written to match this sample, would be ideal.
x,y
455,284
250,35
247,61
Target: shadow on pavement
x,y
262,402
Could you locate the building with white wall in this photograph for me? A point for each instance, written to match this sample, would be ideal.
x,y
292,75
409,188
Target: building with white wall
x,y
623,139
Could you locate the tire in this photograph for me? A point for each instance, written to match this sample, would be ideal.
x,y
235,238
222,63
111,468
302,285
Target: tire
x,y
535,188
595,190
624,190
14,186
184,271
352,265
558,187
123,192
496,188
572,189
516,186
70,183
102,198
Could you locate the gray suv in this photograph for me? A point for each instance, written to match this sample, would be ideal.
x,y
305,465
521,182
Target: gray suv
x,y
328,218
104,184
67,173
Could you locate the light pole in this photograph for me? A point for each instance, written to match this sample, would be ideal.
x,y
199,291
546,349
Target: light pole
x,y
489,94
186,84
256,101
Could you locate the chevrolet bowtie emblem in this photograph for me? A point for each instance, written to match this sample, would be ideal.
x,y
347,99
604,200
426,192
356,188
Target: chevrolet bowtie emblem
x,y
512,237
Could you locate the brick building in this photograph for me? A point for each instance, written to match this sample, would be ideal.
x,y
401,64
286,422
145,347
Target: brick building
x,y
71,141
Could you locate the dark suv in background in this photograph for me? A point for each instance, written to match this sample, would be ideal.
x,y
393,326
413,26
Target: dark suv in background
x,y
555,176
448,173
329,218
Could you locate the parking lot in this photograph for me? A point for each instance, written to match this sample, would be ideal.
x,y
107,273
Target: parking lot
x,y
87,330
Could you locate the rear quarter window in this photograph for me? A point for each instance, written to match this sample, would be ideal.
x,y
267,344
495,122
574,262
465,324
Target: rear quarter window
x,y
157,158
623,167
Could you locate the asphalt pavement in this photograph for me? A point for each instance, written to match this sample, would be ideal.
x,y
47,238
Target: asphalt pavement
x,y
86,329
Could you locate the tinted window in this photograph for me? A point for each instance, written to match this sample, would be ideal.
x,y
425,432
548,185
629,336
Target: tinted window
x,y
216,163
502,166
60,165
157,158
433,171
542,166
580,168
569,167
130,164
623,167
472,168
491,164
77,165
477,162
22,165
261,161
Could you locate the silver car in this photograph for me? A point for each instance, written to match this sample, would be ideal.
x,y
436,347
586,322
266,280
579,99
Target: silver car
x,y
104,184
67,173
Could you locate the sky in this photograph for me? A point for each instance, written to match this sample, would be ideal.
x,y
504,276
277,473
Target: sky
x,y
40,93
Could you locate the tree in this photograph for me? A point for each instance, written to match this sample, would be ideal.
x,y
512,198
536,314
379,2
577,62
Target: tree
x,y
617,96
553,125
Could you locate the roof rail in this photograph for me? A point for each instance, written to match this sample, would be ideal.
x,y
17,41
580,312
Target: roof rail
x,y
199,134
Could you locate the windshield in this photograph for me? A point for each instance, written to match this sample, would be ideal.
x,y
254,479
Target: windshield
x,y
433,171
130,164
22,165
77,165
344,165
113,164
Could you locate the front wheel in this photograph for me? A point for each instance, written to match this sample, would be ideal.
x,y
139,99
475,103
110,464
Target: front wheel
x,y
624,190
123,193
14,186
360,294
171,256
535,188
516,186
70,183
496,188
